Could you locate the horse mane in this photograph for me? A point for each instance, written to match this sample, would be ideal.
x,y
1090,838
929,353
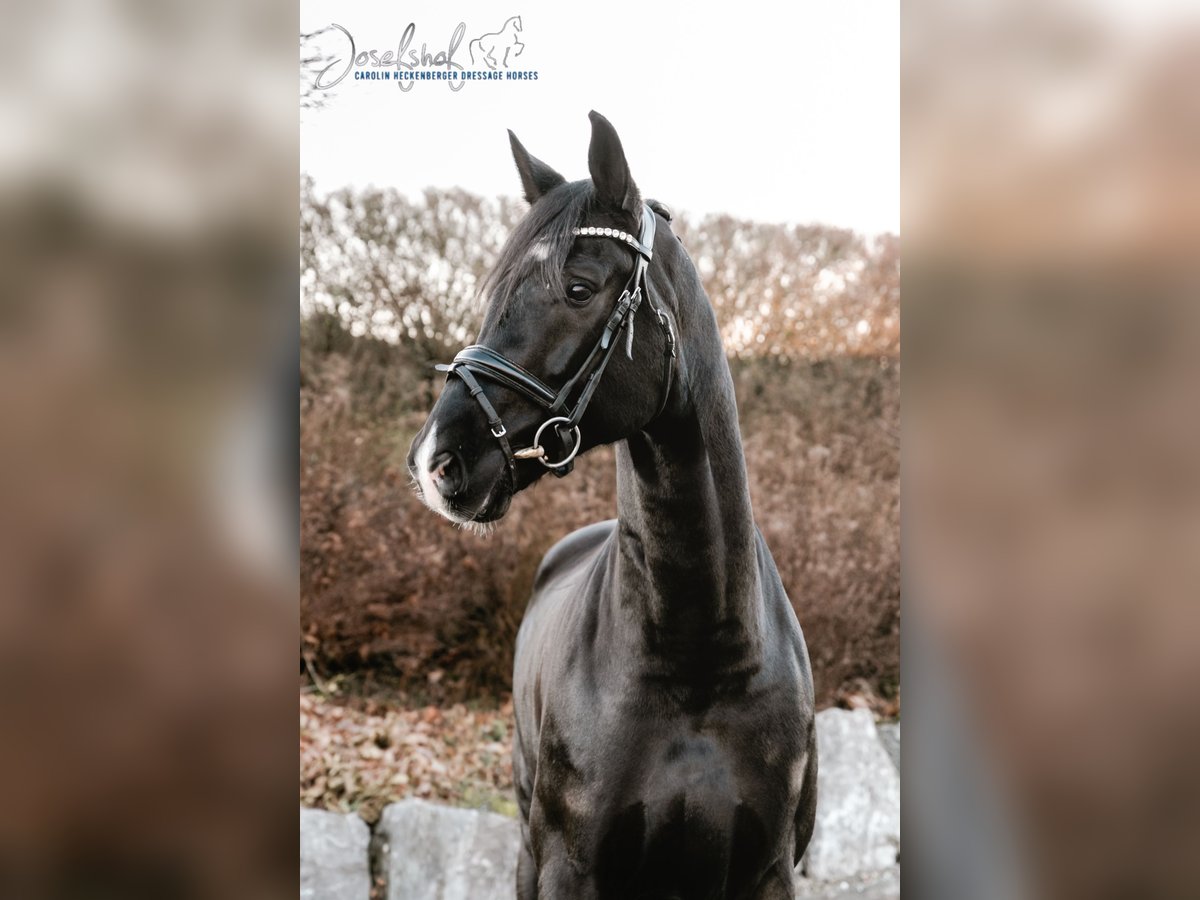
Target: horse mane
x,y
547,227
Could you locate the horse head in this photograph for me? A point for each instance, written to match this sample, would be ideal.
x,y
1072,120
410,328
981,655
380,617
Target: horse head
x,y
556,370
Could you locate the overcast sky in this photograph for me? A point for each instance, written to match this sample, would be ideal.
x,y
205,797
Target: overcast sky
x,y
782,112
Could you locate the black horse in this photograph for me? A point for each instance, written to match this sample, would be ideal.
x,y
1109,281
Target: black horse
x,y
664,706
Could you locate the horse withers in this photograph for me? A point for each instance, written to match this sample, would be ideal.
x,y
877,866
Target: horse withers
x,y
664,743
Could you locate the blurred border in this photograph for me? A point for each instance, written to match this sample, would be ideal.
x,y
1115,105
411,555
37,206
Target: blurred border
x,y
147,484
148,448
1051,208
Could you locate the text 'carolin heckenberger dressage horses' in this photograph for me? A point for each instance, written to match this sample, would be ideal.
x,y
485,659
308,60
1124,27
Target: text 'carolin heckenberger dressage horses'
x,y
664,743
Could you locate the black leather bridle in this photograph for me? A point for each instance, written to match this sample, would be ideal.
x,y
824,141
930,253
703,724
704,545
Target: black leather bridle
x,y
484,362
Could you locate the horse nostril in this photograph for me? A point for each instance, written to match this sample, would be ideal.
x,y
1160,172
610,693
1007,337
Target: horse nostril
x,y
446,470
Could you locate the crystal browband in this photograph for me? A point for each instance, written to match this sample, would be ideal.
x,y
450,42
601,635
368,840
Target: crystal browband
x,y
613,233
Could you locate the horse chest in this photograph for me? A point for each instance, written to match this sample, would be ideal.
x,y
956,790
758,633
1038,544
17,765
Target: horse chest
x,y
640,800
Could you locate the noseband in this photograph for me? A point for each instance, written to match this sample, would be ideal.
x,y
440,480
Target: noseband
x,y
484,362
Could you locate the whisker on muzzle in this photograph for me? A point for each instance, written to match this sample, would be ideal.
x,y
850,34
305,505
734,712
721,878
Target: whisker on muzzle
x,y
480,529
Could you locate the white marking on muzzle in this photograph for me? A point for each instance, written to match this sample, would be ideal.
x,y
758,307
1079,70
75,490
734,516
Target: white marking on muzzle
x,y
429,492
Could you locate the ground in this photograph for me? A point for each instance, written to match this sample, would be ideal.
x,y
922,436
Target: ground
x,y
363,746
359,753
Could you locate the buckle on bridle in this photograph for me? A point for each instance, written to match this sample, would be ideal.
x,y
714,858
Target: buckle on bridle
x,y
665,321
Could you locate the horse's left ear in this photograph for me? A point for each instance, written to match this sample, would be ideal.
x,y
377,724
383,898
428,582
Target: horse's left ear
x,y
610,173
537,178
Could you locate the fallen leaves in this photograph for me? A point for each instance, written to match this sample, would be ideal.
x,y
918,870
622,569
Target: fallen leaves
x,y
361,756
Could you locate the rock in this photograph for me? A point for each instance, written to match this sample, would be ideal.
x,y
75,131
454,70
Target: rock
x,y
889,736
430,852
858,799
334,862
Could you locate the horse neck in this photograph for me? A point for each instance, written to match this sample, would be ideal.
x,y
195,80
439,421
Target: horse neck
x,y
688,560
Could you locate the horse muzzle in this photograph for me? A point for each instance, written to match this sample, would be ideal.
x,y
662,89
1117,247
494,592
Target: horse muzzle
x,y
456,480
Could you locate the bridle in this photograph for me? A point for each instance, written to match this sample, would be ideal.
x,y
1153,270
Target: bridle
x,y
481,361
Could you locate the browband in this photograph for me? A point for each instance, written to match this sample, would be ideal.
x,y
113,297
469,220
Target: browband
x,y
646,251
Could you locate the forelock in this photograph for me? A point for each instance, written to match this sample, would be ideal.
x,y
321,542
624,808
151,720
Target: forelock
x,y
540,244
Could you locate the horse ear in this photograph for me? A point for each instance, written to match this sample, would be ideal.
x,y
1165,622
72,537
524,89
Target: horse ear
x,y
610,173
537,178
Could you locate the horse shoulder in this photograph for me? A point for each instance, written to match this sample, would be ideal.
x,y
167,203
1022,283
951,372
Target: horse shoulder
x,y
562,571
569,554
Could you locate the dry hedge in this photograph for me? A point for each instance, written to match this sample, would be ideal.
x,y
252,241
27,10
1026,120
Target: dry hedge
x,y
388,586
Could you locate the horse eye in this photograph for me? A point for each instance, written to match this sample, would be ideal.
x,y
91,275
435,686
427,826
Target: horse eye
x,y
579,292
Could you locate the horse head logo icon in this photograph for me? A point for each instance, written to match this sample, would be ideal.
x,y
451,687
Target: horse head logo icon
x,y
495,49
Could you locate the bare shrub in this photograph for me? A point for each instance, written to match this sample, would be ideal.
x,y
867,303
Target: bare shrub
x,y
810,318
386,584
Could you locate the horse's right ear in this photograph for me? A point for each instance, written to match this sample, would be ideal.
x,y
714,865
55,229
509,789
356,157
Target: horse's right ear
x,y
537,178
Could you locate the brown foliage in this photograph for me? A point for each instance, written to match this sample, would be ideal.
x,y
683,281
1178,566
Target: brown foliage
x,y
387,584
360,753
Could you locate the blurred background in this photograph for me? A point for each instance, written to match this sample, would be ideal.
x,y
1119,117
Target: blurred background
x,y
147,449
1051,208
